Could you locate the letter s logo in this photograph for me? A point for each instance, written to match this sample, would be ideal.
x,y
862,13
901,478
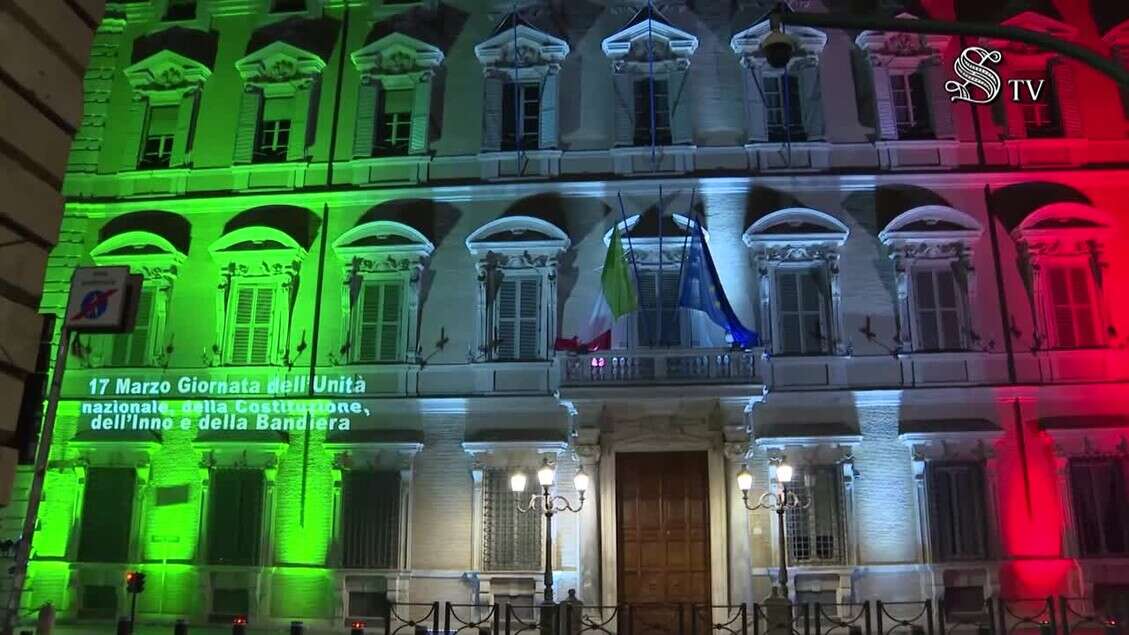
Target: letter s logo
x,y
976,74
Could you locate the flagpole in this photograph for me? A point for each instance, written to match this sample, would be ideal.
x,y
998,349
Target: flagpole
x,y
627,233
659,285
686,241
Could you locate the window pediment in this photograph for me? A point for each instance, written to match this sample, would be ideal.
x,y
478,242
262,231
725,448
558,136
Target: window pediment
x,y
1118,36
397,54
251,251
517,44
383,246
518,235
668,44
1033,21
927,230
796,234
151,254
882,46
1063,229
279,63
167,71
747,44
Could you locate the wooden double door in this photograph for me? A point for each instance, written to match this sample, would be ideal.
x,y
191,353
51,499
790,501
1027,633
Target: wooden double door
x,y
662,538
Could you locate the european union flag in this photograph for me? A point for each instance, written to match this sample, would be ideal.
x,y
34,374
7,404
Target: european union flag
x,y
701,290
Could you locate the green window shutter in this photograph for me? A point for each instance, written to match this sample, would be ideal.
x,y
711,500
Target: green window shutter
x,y
162,120
247,125
133,349
134,135
364,130
421,117
370,523
390,323
107,514
378,323
261,329
235,512
242,324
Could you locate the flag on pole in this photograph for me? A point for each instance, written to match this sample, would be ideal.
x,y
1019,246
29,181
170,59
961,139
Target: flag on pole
x,y
701,290
617,298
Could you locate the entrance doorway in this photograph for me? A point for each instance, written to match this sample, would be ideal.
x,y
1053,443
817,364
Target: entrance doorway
x,y
662,537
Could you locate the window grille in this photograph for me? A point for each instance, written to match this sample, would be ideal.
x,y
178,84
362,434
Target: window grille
x,y
527,126
235,513
938,310
378,322
911,106
518,319
643,112
370,524
815,534
1072,306
801,312
512,540
107,514
1100,513
783,110
957,511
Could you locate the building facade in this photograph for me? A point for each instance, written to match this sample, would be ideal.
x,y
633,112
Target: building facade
x,y
300,428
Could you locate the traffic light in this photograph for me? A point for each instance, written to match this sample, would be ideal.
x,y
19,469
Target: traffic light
x,y
357,628
135,582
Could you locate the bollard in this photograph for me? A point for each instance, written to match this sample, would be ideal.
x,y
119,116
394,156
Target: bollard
x,y
46,622
357,628
181,627
124,627
296,628
239,626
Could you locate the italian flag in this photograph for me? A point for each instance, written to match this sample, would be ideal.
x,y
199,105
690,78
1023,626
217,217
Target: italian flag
x,y
617,298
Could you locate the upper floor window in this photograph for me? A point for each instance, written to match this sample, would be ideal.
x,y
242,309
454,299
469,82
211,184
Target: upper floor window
x,y
277,114
517,319
181,10
520,100
658,320
159,131
908,80
1048,99
521,115
782,104
1071,297
650,61
1118,40
931,248
370,527
378,323
816,534
1040,116
797,255
1098,495
107,514
252,324
394,99
136,348
957,516
512,540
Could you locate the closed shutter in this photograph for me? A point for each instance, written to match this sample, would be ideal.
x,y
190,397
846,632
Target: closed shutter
x,y
421,117
519,315
304,121
107,514
681,115
133,349
549,110
624,98
364,129
887,123
252,325
492,115
379,322
247,125
162,121
370,527
940,106
1072,307
755,117
938,311
1064,89
812,94
184,136
134,133
957,511
1101,515
652,303
800,314
512,540
235,514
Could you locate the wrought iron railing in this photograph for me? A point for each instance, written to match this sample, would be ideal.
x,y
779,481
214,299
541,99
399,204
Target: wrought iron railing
x,y
408,618
646,366
781,619
904,618
842,619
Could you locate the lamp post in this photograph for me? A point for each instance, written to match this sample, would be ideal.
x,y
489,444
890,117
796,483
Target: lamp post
x,y
548,504
780,503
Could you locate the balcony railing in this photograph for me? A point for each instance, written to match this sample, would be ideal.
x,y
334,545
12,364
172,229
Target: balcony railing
x,y
658,366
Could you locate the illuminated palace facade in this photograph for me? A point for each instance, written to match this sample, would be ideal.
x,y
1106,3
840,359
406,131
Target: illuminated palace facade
x,y
419,197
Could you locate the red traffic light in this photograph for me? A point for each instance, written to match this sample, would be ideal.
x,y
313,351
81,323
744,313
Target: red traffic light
x,y
135,581
239,620
358,624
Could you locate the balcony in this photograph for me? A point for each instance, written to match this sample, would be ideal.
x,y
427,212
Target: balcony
x,y
660,366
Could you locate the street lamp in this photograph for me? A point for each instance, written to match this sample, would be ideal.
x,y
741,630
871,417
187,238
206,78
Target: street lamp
x,y
780,503
548,504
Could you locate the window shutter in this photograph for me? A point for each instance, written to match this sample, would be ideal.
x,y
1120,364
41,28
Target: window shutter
x,y
138,341
303,121
235,508
530,317
134,132
247,125
812,288
241,324
1063,89
647,316
672,327
940,106
1016,126
421,118
791,329
624,96
162,120
887,124
368,333
926,311
506,330
263,318
390,323
492,114
550,96
184,133
756,123
107,514
812,95
681,106
364,129
370,520
948,309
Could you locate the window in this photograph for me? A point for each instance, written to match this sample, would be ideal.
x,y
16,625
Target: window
x,y
1040,117
659,294
227,604
643,101
370,523
395,130
235,514
159,134
107,514
99,602
801,311
274,130
1100,513
1070,293
1112,600
287,6
513,539
782,108
815,534
938,310
911,106
368,604
526,99
377,334
135,348
252,324
517,328
956,511
181,10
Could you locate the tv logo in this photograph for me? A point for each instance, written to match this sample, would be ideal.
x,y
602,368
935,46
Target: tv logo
x,y
981,84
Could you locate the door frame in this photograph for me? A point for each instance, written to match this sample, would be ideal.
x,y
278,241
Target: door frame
x,y
683,440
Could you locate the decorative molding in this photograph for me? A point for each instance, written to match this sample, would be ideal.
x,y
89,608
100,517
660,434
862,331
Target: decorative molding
x,y
884,47
280,63
397,54
670,48
521,49
167,72
747,44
